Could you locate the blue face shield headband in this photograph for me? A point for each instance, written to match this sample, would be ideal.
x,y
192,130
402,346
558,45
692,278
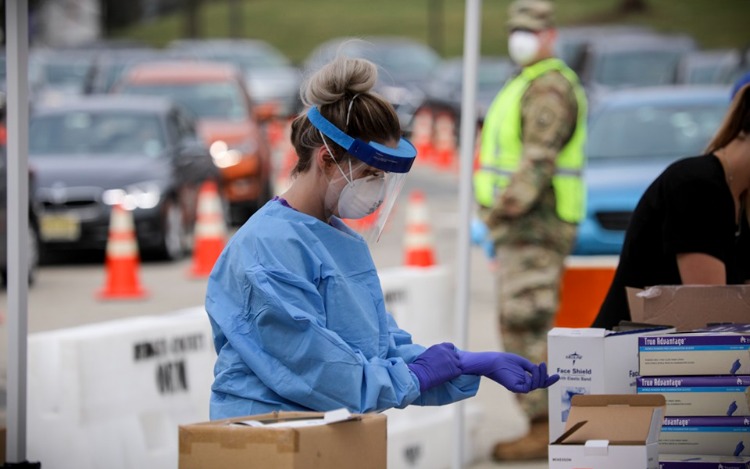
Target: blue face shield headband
x,y
391,160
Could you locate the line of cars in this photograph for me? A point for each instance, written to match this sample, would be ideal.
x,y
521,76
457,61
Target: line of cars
x,y
215,122
145,128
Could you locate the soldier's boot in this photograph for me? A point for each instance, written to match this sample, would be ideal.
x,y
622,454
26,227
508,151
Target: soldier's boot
x,y
531,447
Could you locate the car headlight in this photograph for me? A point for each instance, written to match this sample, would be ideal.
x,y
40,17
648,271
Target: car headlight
x,y
143,195
224,156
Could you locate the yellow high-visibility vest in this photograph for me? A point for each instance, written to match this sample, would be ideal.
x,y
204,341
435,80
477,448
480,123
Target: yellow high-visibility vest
x,y
502,148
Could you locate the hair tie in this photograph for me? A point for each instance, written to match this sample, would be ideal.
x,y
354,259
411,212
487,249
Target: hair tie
x,y
349,110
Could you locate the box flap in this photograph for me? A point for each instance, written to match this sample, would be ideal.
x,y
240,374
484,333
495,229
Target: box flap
x,y
330,417
622,419
689,307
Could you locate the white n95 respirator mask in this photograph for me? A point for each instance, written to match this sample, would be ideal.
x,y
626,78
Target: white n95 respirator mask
x,y
360,197
523,47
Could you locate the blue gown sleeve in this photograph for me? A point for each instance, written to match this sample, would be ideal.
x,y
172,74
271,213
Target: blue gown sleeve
x,y
278,336
463,387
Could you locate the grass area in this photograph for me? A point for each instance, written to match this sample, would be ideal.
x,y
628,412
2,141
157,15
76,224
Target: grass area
x,y
297,26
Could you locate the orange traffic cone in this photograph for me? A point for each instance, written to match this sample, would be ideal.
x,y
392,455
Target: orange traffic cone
x,y
418,242
210,231
445,141
122,260
421,135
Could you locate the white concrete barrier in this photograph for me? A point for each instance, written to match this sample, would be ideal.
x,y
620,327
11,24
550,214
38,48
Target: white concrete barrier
x,y
113,394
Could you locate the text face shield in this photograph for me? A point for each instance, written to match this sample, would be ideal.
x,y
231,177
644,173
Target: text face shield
x,y
367,190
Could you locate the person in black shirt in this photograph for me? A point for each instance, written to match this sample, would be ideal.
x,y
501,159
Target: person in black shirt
x,y
691,224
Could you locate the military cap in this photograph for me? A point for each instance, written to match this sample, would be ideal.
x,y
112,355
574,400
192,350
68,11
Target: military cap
x,y
535,15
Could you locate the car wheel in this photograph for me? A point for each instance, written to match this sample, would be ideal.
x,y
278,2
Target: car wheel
x,y
173,233
32,255
33,251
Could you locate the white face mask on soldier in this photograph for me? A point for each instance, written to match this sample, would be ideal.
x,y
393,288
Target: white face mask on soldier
x,y
523,47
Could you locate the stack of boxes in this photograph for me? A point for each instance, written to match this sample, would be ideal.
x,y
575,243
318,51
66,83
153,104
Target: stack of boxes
x,y
705,377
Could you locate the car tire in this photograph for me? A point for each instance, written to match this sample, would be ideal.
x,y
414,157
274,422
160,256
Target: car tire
x,y
173,235
32,253
34,249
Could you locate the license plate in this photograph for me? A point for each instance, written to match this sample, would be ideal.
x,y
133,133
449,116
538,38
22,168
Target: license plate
x,y
60,228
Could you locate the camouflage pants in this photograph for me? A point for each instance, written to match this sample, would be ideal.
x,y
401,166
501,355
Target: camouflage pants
x,y
528,284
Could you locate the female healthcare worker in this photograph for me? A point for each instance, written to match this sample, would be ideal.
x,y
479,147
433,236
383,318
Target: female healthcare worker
x,y
295,302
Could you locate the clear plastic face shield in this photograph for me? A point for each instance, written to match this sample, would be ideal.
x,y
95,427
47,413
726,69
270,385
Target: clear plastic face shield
x,y
367,188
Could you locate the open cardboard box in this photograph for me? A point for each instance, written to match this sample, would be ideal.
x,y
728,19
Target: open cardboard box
x,y
688,307
286,440
610,431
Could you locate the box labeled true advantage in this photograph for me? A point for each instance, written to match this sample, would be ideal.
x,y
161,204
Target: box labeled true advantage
x,y
691,461
700,395
720,436
716,350
286,440
590,361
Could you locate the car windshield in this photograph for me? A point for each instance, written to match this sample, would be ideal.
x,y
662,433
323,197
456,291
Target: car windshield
x,y
66,73
637,68
653,131
96,133
250,60
207,100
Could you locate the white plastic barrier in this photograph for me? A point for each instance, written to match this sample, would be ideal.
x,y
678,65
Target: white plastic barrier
x,y
421,301
113,394
423,437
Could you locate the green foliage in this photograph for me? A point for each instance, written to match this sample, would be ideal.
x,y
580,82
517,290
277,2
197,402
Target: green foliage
x,y
297,26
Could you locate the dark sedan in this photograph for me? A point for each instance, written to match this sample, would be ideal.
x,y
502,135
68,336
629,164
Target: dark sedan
x,y
142,153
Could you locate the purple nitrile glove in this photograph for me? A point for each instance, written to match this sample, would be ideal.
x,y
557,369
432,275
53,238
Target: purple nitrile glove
x,y
513,371
436,365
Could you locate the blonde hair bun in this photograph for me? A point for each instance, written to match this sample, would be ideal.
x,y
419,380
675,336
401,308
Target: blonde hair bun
x,y
342,76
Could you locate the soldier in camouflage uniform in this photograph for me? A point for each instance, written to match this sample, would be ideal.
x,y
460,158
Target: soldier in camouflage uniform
x,y
530,194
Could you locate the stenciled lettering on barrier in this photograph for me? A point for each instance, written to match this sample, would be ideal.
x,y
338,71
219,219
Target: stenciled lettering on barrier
x,y
168,356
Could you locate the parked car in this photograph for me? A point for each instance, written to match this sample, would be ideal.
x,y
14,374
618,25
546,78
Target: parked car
x,y
95,152
572,40
445,90
269,75
633,135
110,65
227,121
33,234
56,75
713,66
405,67
631,60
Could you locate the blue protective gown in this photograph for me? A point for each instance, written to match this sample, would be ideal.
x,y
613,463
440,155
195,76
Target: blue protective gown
x,y
299,323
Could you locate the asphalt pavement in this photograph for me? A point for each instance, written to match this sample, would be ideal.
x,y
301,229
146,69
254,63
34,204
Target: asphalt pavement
x,y
64,295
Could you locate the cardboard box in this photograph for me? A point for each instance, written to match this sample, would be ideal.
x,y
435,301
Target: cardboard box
x,y
286,440
689,307
721,436
684,461
590,361
610,432
700,395
716,350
